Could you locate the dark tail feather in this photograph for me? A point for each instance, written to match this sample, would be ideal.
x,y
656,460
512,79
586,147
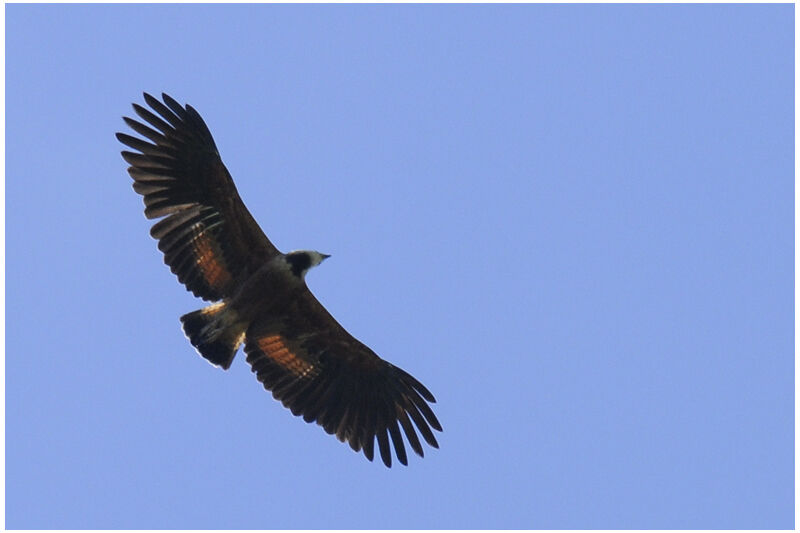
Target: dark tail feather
x,y
215,334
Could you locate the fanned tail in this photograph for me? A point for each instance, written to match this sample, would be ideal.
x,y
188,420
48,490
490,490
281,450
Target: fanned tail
x,y
214,332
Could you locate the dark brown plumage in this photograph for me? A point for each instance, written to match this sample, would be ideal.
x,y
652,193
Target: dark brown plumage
x,y
294,346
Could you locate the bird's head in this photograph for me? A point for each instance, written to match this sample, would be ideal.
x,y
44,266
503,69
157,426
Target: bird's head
x,y
300,261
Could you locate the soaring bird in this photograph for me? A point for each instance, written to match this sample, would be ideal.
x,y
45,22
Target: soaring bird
x,y
297,350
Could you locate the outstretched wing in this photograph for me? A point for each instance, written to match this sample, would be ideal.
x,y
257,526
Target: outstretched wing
x,y
320,372
209,238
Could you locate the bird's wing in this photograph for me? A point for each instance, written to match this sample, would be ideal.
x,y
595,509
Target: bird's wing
x,y
209,238
320,372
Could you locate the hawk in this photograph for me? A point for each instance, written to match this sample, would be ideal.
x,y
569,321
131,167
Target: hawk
x,y
296,349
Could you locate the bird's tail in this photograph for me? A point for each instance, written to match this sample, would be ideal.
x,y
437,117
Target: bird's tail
x,y
215,332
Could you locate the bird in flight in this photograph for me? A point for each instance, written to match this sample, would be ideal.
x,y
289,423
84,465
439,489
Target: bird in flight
x,y
297,350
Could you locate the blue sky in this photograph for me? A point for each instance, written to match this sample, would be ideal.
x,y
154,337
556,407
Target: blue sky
x,y
573,223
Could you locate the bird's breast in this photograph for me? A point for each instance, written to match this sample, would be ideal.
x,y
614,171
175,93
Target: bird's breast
x,y
268,290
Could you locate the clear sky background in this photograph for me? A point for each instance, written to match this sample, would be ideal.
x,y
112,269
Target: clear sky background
x,y
573,223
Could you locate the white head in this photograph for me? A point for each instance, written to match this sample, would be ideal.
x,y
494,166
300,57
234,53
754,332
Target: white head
x,y
301,261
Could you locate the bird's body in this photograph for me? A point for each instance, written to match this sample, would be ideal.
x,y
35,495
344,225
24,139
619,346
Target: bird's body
x,y
296,348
